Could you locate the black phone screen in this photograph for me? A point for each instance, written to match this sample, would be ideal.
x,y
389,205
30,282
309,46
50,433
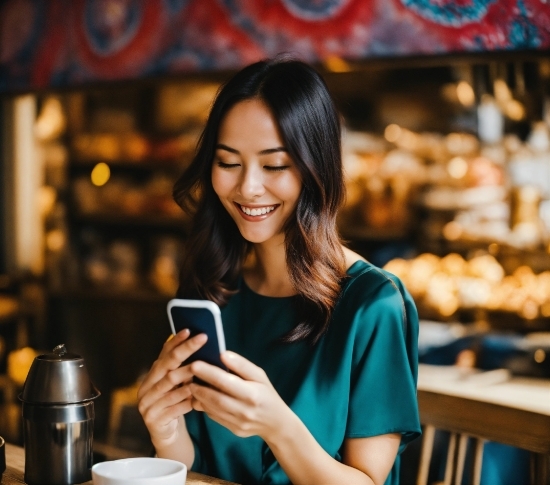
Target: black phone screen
x,y
199,320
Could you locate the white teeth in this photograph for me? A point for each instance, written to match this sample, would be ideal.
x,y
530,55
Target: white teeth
x,y
257,212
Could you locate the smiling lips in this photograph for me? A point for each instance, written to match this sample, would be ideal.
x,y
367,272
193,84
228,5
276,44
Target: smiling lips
x,y
256,212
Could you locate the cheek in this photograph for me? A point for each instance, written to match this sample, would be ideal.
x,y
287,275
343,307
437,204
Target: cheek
x,y
290,189
220,182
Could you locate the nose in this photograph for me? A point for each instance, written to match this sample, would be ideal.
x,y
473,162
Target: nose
x,y
252,183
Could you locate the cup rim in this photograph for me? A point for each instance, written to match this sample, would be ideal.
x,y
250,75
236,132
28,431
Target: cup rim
x,y
98,466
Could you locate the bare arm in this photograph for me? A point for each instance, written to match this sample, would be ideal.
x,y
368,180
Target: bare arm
x,y
365,460
180,448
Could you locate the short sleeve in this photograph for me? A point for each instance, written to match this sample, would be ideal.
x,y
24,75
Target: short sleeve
x,y
385,362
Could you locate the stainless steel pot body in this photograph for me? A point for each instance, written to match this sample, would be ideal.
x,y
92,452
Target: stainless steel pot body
x,y
58,443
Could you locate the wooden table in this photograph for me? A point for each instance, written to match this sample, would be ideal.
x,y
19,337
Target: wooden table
x,y
15,461
490,406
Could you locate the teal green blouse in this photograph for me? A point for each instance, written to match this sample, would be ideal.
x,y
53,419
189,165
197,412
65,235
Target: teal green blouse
x,y
359,380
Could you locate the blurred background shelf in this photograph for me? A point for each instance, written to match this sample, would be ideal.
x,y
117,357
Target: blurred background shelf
x,y
110,294
128,166
360,233
145,221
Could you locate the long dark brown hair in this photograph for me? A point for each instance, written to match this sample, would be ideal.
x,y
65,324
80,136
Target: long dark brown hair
x,y
310,128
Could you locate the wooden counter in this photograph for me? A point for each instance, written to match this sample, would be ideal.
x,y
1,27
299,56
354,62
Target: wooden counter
x,y
498,387
491,405
15,461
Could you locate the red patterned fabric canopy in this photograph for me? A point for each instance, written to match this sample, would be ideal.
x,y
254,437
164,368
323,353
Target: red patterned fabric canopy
x,y
68,42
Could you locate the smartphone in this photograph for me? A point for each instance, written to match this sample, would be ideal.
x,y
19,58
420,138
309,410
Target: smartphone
x,y
199,316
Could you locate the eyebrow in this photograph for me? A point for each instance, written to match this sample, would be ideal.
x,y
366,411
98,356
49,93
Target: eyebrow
x,y
267,151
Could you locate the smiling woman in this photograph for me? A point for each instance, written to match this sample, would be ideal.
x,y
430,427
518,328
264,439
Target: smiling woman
x,y
257,182
322,352
272,140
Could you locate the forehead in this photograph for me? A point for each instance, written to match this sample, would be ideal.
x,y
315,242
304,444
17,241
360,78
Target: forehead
x,y
252,123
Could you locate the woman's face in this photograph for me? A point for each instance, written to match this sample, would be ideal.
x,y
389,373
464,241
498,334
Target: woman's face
x,y
252,173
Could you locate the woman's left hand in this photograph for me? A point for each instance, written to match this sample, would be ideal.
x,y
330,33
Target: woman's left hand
x,y
244,402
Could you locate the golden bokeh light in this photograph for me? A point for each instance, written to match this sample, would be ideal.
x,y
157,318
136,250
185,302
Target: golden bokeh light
x,y
457,167
502,91
530,310
392,132
515,110
540,356
465,93
55,240
408,140
337,64
452,231
100,174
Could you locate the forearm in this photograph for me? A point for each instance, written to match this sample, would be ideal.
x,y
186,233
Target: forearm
x,y
305,461
181,449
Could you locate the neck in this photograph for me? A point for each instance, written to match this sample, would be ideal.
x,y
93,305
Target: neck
x,y
268,272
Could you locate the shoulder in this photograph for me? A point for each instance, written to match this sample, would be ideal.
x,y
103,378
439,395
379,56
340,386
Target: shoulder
x,y
372,295
367,280
351,257
364,276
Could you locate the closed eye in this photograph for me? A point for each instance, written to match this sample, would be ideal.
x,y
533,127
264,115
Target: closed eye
x,y
227,165
276,168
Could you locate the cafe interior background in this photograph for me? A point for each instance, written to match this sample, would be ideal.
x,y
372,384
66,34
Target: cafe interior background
x,y
446,113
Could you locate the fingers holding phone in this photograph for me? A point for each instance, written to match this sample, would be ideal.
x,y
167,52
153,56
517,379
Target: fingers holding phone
x,y
244,401
164,394
165,371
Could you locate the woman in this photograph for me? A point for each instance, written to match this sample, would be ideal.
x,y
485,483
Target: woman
x,y
322,364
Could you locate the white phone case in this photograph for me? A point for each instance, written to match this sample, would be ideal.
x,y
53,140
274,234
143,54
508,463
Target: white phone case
x,y
207,304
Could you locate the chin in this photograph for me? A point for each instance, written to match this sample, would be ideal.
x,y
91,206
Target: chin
x,y
257,237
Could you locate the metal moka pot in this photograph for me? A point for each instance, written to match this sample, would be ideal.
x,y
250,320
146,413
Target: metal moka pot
x,y
58,419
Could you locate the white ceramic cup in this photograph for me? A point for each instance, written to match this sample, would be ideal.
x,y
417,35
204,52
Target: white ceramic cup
x,y
139,471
